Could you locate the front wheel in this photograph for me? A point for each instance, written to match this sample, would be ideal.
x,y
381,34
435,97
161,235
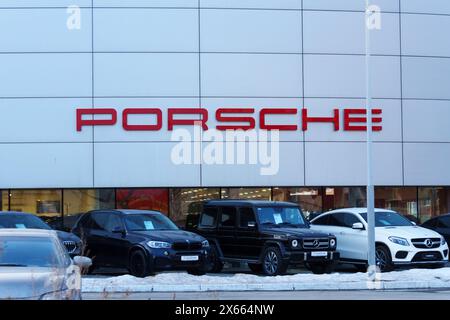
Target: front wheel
x,y
273,262
139,266
383,258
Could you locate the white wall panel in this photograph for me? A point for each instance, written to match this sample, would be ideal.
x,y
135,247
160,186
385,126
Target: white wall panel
x,y
140,165
385,5
147,3
146,74
257,4
46,165
146,30
391,120
251,75
45,75
426,78
344,32
345,163
344,76
230,31
426,121
42,120
428,6
290,170
427,163
17,35
43,3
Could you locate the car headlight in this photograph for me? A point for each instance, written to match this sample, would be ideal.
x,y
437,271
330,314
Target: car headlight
x,y
333,243
400,241
205,244
294,243
59,295
443,242
158,244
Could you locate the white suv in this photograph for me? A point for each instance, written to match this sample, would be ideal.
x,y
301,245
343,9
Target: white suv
x,y
398,240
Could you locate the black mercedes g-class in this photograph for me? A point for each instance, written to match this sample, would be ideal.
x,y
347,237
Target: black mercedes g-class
x,y
268,236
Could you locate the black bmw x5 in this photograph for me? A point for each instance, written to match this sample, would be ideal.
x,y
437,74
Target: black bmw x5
x,y
141,241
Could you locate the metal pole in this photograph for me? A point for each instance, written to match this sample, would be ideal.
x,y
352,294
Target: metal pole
x,y
370,188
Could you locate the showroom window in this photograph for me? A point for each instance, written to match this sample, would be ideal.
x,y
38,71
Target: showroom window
x,y
309,199
47,204
433,201
343,197
143,199
77,202
185,204
400,199
247,193
4,199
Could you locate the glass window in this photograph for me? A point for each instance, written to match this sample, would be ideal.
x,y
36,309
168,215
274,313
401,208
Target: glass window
x,y
147,222
22,221
337,220
4,200
246,215
209,217
443,222
280,215
389,219
113,223
322,220
228,217
247,193
77,202
45,203
186,204
400,199
433,201
350,219
143,199
309,199
343,197
99,221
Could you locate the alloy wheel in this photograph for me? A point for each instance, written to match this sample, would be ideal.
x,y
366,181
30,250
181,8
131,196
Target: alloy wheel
x,y
271,262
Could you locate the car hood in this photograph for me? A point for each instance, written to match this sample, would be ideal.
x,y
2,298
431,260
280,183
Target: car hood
x,y
30,283
408,232
296,232
168,235
66,236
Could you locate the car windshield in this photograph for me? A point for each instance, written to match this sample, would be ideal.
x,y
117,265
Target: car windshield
x,y
30,252
388,219
21,221
148,222
279,216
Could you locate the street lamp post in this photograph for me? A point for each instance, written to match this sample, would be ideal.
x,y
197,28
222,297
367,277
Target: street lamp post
x,y
370,187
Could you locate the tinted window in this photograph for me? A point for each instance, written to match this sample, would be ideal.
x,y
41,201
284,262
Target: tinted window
x,y
113,223
280,215
337,220
99,221
30,252
350,219
228,217
443,222
209,217
322,220
148,222
387,219
246,215
22,222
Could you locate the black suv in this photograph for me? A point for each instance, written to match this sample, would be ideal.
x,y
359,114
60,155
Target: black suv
x,y
141,241
268,236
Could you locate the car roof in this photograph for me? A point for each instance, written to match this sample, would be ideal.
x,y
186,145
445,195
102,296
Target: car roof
x,y
358,210
128,211
239,202
28,233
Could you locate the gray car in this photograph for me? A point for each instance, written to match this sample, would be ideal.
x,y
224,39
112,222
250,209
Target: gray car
x,y
35,265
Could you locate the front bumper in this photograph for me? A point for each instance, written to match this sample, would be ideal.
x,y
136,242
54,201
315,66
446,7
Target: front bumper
x,y
169,259
309,256
415,256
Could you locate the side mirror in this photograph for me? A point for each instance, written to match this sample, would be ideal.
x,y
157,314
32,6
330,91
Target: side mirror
x,y
251,224
358,226
414,224
82,262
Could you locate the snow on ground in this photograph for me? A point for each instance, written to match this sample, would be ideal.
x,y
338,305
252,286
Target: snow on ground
x,y
176,282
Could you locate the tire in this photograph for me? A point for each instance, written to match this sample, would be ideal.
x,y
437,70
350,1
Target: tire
x,y
255,267
361,267
139,266
383,258
216,263
273,263
321,268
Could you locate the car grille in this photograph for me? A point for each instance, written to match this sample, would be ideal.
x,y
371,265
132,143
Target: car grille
x,y
71,246
426,243
187,245
315,243
427,256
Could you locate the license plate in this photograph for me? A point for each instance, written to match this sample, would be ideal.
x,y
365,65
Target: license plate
x,y
189,258
319,254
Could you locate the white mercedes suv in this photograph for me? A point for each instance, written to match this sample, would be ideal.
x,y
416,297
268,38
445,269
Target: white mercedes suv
x,y
398,240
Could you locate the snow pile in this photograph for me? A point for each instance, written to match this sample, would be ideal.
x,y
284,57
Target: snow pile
x,y
176,282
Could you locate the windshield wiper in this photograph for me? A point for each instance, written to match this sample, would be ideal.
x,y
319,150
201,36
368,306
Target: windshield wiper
x,y
12,265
